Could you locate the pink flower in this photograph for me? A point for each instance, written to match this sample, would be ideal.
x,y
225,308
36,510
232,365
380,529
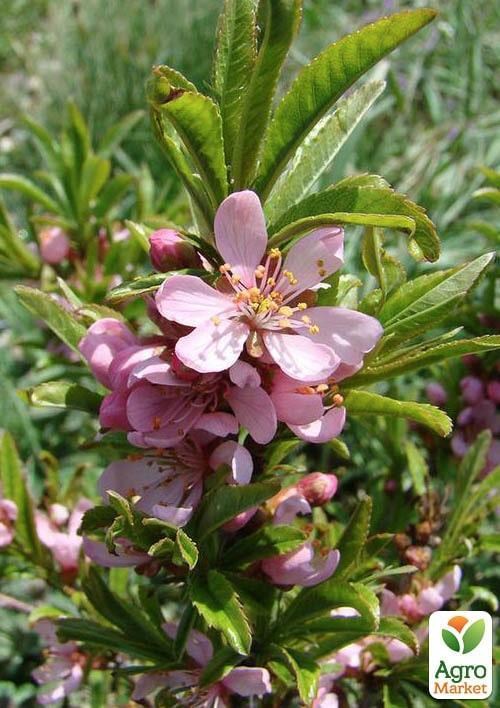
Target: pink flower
x,y
104,339
124,556
243,680
258,306
169,251
54,245
313,412
318,488
8,516
301,567
436,394
170,487
62,672
58,531
472,389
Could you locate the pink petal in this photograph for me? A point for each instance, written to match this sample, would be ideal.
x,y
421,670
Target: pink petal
x,y
289,508
150,409
76,517
213,347
126,360
313,258
188,300
448,585
389,604
113,411
220,424
198,646
299,357
254,410
240,234
324,429
98,553
129,477
174,515
297,408
104,339
348,333
243,374
248,681
236,457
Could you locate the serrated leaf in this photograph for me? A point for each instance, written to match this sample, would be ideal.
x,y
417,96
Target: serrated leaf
x,y
98,517
223,504
219,666
198,123
14,488
60,321
187,548
63,394
234,60
267,541
322,82
219,605
280,20
424,302
350,201
367,403
353,539
306,671
320,148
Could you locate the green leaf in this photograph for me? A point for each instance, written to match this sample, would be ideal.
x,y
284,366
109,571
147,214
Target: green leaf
x,y
421,357
60,321
135,288
234,60
23,185
320,148
95,172
197,121
322,82
219,605
280,20
318,601
14,488
306,672
473,635
63,394
267,541
14,246
98,517
223,504
187,549
111,194
353,539
117,133
450,640
367,403
257,596
219,666
349,202
424,302
417,467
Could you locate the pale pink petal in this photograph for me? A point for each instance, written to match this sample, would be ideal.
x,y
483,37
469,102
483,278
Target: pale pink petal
x,y
126,360
113,411
236,457
348,333
389,604
198,645
297,408
147,683
240,520
429,600
220,424
326,428
188,300
149,408
289,508
98,553
240,234
255,412
345,371
313,258
104,339
76,516
213,347
248,681
243,374
299,357
129,478
174,515
448,585
398,651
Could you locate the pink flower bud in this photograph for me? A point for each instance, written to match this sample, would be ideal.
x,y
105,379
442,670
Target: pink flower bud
x,y
318,488
472,389
494,391
168,251
54,245
8,516
436,394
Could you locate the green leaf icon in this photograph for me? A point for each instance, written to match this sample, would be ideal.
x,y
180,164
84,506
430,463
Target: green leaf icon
x,y
473,636
450,640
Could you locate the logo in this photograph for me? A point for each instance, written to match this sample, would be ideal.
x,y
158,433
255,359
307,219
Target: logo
x,y
460,655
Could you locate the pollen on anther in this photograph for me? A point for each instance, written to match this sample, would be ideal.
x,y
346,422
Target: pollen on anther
x,y
305,319
321,272
302,305
215,320
286,311
338,400
274,253
313,329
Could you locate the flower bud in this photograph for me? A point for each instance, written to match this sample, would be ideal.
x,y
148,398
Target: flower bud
x,y
318,488
436,394
168,251
494,391
472,389
54,245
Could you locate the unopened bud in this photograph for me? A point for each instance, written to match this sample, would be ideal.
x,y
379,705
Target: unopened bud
x,y
436,394
168,251
318,488
54,245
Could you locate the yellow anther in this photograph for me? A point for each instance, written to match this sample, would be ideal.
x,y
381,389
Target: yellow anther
x,y
274,253
322,388
225,268
302,306
305,319
275,295
313,329
290,277
338,400
235,279
321,272
286,311
259,271
271,282
215,320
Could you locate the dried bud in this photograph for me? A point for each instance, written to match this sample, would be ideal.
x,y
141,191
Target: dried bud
x,y
168,251
402,541
423,531
54,245
419,556
318,488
